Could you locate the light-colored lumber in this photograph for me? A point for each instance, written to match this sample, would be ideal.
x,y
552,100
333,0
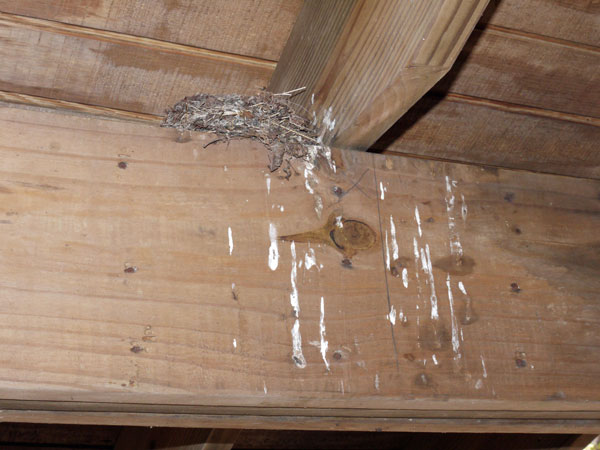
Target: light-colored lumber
x,y
257,28
122,297
364,63
481,131
102,68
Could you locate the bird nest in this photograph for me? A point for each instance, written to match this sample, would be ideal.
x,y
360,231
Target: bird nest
x,y
266,117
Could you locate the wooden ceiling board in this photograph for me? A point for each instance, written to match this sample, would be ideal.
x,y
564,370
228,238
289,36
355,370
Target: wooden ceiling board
x,y
480,133
257,28
571,20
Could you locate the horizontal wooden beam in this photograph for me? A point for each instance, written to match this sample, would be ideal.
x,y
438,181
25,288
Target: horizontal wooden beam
x,y
364,63
150,279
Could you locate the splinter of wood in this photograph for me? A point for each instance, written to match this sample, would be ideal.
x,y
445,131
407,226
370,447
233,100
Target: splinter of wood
x,y
347,236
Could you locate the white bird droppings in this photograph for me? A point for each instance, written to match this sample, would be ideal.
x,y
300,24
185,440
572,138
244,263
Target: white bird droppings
x,y
483,366
377,382
230,235
324,345
405,277
297,355
395,252
382,190
418,220
310,259
234,343
392,315
273,250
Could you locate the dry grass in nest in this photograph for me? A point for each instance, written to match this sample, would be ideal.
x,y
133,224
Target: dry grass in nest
x,y
266,117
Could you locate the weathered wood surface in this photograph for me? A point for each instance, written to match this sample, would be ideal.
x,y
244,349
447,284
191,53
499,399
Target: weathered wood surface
x,y
571,20
516,68
256,28
108,69
364,63
497,134
123,300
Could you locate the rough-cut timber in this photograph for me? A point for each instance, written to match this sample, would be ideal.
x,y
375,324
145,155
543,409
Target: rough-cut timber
x,y
571,20
527,70
256,28
143,282
364,63
481,131
104,68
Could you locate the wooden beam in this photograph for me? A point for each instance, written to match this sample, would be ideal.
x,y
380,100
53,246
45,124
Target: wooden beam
x,y
147,281
364,63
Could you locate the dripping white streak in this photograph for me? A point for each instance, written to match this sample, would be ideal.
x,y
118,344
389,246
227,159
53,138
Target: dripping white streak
x,y
268,186
273,250
463,208
265,387
428,269
405,277
297,345
293,276
310,259
435,361
377,382
483,366
382,192
395,252
418,220
455,342
324,343
392,315
461,286
455,245
230,235
387,252
234,343
296,337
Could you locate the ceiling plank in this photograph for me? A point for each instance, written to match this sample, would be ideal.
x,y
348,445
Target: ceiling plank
x,y
101,68
480,131
364,63
245,27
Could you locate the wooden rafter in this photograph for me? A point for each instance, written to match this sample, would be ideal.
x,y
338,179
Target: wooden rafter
x,y
364,63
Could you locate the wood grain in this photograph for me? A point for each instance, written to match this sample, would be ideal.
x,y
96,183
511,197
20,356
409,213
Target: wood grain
x,y
517,69
121,298
256,28
496,134
115,71
572,20
364,63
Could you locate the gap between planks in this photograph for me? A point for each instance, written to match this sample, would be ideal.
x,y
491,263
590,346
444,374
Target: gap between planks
x,y
137,41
